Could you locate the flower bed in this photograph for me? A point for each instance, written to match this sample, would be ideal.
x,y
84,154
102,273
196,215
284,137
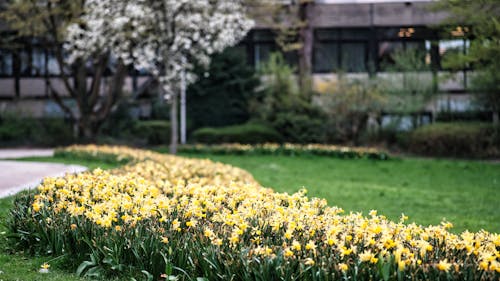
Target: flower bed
x,y
288,149
166,215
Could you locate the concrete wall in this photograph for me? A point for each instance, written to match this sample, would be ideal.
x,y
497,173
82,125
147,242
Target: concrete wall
x,y
402,13
37,87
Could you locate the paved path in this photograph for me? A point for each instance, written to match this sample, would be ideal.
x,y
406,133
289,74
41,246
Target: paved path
x,y
28,152
19,175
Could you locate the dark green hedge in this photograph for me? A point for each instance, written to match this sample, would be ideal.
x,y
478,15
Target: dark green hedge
x,y
248,133
472,140
30,131
153,131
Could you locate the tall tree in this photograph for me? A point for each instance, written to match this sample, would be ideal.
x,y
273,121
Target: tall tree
x,y
290,20
82,75
165,37
479,21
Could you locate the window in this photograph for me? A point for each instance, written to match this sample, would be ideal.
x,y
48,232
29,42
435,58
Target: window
x,y
326,57
416,54
25,59
263,46
353,57
6,63
340,50
386,52
38,62
448,49
52,64
262,52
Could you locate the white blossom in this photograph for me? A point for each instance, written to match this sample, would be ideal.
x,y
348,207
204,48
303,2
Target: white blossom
x,y
163,37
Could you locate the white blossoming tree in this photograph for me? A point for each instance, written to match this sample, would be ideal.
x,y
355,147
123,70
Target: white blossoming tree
x,y
164,37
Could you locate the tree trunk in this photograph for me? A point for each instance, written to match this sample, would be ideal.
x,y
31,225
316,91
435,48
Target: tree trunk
x,y
87,130
174,124
305,52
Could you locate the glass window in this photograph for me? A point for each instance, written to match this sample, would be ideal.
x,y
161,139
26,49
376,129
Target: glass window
x,y
355,34
38,62
386,51
353,57
6,62
25,58
448,49
325,57
262,52
327,34
263,35
52,64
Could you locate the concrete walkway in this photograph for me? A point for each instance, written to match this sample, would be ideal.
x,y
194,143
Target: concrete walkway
x,y
19,175
28,152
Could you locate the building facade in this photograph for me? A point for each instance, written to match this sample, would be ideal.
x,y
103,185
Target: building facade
x,y
358,38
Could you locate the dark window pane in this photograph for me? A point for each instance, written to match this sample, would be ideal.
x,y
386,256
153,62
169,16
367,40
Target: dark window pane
x,y
325,57
25,58
327,34
388,33
421,52
353,57
263,35
6,61
38,62
52,65
292,58
449,49
355,34
386,51
262,53
393,33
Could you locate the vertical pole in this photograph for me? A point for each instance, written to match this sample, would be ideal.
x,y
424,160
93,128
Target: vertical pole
x,y
183,104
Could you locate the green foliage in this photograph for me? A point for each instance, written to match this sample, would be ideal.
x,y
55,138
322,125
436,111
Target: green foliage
x,y
300,128
281,105
412,83
220,96
29,18
484,52
348,104
30,131
248,133
154,131
119,122
160,110
461,116
455,139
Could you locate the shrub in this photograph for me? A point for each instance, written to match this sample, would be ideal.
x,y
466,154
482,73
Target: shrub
x,y
154,131
300,128
31,131
347,105
230,82
466,116
281,105
455,139
246,133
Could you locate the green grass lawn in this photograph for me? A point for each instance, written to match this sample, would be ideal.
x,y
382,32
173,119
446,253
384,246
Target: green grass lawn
x,y
466,193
